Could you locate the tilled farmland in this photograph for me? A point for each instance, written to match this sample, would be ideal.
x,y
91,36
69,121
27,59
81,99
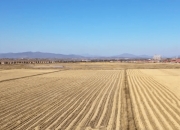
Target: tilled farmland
x,y
89,100
155,105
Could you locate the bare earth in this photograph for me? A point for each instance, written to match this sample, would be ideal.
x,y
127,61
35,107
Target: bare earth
x,y
107,98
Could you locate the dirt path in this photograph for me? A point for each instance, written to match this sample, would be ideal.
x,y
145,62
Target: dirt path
x,y
127,119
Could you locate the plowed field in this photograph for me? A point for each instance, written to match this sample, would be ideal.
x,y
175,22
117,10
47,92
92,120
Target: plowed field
x,y
62,100
156,105
90,100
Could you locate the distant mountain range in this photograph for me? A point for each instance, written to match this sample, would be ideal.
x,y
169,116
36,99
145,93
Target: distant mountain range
x,y
62,56
37,55
127,55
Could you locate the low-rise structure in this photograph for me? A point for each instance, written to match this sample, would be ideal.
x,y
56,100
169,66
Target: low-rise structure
x,y
175,60
157,58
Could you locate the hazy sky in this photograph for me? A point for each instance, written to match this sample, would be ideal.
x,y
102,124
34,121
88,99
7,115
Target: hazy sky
x,y
97,27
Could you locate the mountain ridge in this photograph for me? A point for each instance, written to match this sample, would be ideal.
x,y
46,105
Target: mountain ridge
x,y
44,55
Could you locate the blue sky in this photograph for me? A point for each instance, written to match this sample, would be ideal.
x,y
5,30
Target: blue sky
x,y
96,27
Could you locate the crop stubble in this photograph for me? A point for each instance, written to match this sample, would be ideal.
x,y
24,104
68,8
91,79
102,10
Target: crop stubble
x,y
155,106
87,100
62,100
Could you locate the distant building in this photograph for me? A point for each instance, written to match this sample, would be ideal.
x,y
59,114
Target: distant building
x,y
2,62
157,57
175,60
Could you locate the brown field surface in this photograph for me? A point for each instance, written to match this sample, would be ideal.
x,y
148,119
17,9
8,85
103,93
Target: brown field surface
x,y
20,73
94,66
73,99
155,98
168,77
94,99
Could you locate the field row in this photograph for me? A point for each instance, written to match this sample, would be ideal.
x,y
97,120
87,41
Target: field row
x,y
19,73
63,100
155,106
90,100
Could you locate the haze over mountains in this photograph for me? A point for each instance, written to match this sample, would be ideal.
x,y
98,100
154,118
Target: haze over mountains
x,y
62,56
37,55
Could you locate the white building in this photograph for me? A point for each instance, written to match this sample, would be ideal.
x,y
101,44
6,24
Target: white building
x,y
157,57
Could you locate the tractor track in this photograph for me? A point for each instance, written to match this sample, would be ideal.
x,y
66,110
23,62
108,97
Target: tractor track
x,y
128,107
30,76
